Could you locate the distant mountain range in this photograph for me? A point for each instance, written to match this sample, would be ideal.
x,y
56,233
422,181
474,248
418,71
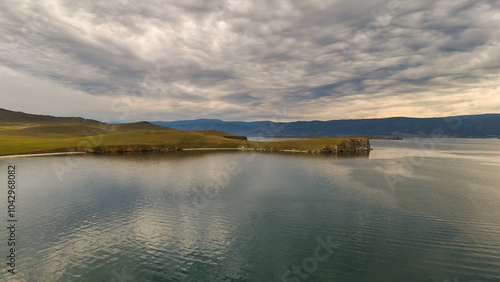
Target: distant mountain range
x,y
483,126
487,125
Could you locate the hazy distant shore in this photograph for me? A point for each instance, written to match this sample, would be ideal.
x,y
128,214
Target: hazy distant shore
x,y
40,154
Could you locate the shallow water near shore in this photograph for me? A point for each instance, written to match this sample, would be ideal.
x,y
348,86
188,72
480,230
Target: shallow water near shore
x,y
411,210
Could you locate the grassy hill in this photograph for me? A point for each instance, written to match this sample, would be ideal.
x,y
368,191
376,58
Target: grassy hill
x,y
13,117
173,139
21,124
24,133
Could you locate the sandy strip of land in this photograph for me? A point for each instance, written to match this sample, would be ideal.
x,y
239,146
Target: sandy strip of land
x,y
39,155
241,149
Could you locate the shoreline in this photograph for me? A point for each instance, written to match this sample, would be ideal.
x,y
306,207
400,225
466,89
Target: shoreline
x,y
184,149
40,155
314,146
214,149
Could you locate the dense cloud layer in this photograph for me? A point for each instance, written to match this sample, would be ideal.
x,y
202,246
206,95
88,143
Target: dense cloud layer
x,y
250,60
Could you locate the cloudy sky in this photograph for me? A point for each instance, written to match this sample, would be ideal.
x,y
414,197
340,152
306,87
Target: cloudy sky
x,y
127,60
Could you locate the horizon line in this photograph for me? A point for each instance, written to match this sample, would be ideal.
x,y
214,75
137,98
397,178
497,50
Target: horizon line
x,y
218,119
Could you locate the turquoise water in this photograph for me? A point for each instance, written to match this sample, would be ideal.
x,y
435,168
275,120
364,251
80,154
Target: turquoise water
x,y
413,210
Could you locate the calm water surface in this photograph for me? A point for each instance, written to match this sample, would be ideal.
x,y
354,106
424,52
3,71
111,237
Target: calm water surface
x,y
413,210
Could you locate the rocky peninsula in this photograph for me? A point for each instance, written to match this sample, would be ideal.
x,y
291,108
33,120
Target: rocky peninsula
x,y
345,145
22,134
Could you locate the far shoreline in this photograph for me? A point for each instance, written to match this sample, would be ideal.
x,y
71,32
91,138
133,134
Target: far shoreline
x,y
40,155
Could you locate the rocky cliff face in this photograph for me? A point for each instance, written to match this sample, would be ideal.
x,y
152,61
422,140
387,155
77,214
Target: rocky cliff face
x,y
354,145
350,145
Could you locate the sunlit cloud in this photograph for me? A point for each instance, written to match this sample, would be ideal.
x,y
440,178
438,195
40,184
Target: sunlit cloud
x,y
241,60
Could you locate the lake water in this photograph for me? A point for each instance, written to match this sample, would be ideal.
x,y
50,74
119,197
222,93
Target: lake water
x,y
413,210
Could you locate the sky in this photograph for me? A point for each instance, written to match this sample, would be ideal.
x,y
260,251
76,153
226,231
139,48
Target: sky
x,y
130,60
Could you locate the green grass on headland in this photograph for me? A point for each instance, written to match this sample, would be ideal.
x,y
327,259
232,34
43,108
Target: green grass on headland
x,y
298,145
175,139
24,144
27,134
